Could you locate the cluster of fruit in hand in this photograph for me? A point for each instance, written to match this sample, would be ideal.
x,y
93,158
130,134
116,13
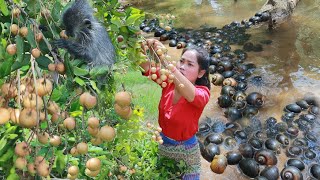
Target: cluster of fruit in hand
x,y
122,105
161,65
156,133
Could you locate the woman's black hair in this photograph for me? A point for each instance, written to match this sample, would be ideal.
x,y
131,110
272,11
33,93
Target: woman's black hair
x,y
203,61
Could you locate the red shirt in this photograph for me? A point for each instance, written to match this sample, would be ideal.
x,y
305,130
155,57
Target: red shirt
x,y
180,121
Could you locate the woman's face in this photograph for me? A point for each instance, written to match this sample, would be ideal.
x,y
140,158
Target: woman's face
x,y
189,67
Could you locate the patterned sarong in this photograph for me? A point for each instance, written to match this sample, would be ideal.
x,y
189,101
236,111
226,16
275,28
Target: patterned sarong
x,y
187,151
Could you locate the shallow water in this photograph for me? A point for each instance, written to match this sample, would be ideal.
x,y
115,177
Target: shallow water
x,y
289,66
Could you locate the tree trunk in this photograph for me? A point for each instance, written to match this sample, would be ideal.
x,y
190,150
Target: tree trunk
x,y
280,10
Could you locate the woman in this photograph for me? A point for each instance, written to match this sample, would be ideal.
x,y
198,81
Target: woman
x,y
181,106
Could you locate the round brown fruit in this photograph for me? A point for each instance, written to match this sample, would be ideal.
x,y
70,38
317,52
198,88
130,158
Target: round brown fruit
x,y
39,37
73,170
44,86
82,148
28,118
53,108
60,68
92,173
93,122
31,169
52,67
14,29
43,137
35,52
55,140
87,100
4,115
123,112
96,141
93,164
30,101
12,49
93,131
20,163
16,12
107,133
45,13
120,38
74,151
22,149
123,98
43,170
39,160
14,116
69,123
23,31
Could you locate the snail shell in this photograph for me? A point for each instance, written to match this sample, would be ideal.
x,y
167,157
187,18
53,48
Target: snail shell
x,y
249,167
224,101
293,151
292,132
273,145
230,143
233,157
241,135
270,172
228,90
300,142
293,108
255,143
315,171
219,164
230,128
309,154
296,163
213,138
217,79
230,82
212,150
303,104
204,128
291,173
240,105
266,157
314,110
282,139
255,99
250,111
246,150
239,96
233,113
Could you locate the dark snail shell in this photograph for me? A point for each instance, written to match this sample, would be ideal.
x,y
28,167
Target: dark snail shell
x,y
296,163
291,173
226,64
308,117
249,167
165,37
239,96
217,79
266,157
230,128
293,108
315,171
273,145
233,113
212,150
303,125
204,128
246,150
255,99
300,142
303,104
309,154
230,82
224,101
271,122
250,111
294,151
241,86
230,143
240,105
219,164
228,90
255,143
260,178
314,110
233,157
292,132
260,135
227,74
241,135
281,126
212,69
282,139
181,45
288,116
270,172
310,137
311,99
204,152
213,138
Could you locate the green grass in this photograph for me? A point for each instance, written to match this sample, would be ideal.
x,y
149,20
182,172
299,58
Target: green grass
x,y
145,93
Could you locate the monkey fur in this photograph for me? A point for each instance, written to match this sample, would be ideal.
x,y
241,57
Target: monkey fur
x,y
88,39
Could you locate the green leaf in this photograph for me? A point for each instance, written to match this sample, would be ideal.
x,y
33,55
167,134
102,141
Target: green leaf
x,y
116,21
79,81
30,38
56,11
12,136
94,86
133,18
26,60
44,125
60,162
20,48
4,8
56,94
13,176
5,67
3,142
5,157
80,72
43,62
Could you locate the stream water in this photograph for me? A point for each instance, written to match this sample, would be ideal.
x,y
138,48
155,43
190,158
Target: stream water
x,y
289,66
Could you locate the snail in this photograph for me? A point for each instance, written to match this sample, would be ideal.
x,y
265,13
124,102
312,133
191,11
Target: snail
x,y
230,82
230,142
282,139
296,163
303,104
270,172
217,79
293,151
249,167
293,108
291,173
224,101
233,113
213,138
273,145
266,157
239,96
255,143
219,164
255,99
246,150
233,157
212,150
228,90
250,111
315,171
